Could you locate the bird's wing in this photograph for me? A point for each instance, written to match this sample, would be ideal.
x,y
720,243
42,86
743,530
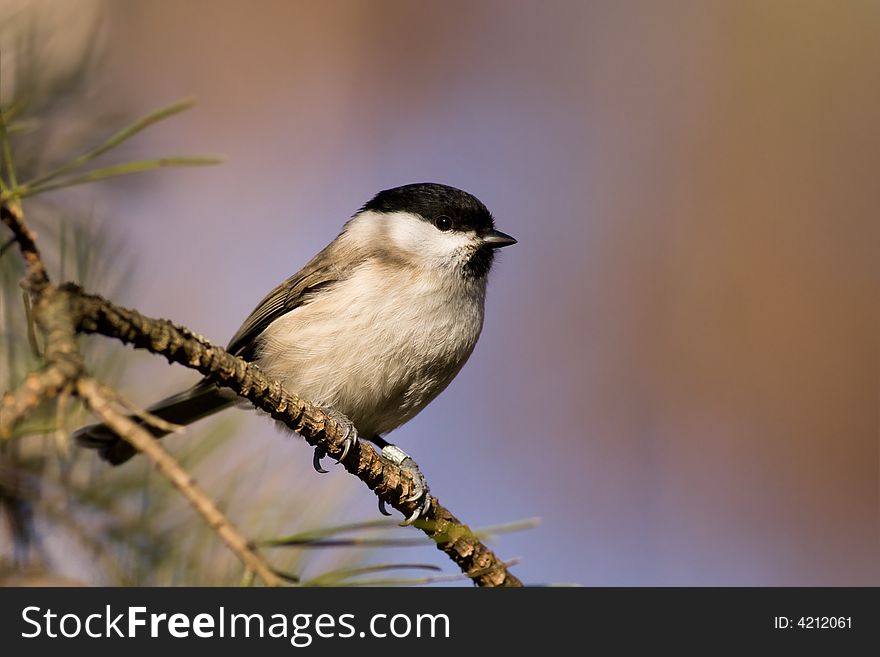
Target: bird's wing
x,y
323,270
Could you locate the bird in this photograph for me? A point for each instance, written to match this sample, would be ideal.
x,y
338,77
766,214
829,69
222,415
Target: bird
x,y
373,327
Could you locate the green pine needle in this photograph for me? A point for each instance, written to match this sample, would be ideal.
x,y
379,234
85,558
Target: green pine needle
x,y
335,577
327,537
29,189
7,153
318,534
123,135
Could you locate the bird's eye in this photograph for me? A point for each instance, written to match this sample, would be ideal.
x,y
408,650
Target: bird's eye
x,y
443,223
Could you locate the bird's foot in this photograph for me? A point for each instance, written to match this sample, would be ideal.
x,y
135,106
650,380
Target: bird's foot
x,y
349,439
393,454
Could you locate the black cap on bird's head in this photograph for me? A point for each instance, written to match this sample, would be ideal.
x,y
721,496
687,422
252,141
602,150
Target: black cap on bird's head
x,y
448,208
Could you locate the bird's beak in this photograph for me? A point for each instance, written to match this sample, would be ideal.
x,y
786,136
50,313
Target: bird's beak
x,y
495,239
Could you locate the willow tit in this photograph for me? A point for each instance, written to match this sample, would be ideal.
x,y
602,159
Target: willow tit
x,y
375,326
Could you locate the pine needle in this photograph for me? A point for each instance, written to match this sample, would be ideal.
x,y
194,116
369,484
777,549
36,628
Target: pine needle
x,y
123,135
118,170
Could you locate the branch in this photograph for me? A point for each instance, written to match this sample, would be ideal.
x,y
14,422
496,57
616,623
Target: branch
x,y
97,399
37,278
18,404
64,370
52,314
60,312
390,484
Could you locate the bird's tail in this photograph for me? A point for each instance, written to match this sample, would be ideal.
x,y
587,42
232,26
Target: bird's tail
x,y
202,400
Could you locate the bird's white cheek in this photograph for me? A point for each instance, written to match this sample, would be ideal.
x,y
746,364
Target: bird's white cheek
x,y
413,235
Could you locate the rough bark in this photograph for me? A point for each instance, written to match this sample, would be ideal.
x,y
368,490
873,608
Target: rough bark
x,y
62,311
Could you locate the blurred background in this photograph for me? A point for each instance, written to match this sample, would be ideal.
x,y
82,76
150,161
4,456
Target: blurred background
x,y
680,366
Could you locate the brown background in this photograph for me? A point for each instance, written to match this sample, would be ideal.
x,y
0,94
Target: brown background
x,y
679,369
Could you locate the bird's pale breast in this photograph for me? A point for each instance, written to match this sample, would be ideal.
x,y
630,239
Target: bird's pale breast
x,y
378,346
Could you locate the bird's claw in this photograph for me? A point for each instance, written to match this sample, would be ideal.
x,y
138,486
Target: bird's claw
x,y
349,439
419,512
421,492
316,460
